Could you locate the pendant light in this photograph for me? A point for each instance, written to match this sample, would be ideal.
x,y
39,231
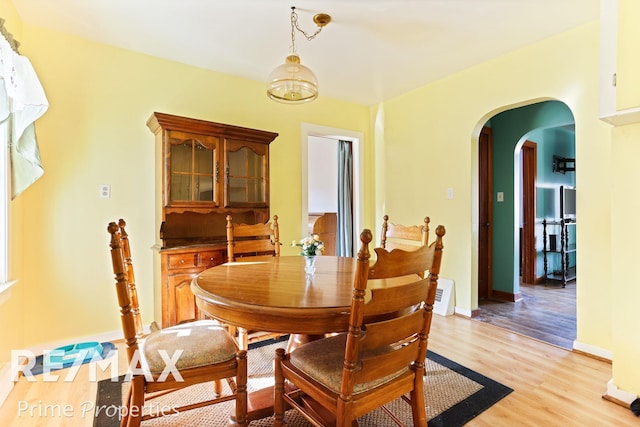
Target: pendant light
x,y
292,82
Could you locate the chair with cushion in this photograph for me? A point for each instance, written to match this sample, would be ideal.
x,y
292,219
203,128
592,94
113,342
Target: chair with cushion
x,y
252,240
199,352
381,357
404,237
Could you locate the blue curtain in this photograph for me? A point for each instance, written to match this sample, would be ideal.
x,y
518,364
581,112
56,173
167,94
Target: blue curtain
x,y
344,244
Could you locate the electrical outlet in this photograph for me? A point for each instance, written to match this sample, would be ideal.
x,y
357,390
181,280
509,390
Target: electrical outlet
x,y
500,196
105,191
449,193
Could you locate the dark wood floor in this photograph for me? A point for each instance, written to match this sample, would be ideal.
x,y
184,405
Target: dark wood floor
x,y
546,312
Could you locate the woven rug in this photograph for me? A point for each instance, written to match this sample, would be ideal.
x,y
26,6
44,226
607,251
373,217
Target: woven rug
x,y
453,396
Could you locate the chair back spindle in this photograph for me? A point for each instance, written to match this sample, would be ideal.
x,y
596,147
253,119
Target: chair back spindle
x,y
123,291
131,278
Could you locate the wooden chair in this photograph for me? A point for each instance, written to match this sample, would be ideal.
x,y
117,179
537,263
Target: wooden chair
x,y
131,280
382,356
252,240
209,353
396,236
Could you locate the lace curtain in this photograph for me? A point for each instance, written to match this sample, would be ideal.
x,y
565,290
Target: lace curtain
x,y
22,102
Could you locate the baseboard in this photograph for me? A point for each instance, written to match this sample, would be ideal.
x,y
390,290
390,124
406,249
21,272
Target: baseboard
x,y
465,312
506,296
593,351
615,395
6,385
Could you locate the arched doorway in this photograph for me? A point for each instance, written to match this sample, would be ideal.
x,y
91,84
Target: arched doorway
x,y
524,192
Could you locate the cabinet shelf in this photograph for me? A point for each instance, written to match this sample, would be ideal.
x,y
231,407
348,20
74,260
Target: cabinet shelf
x,y
559,276
570,249
560,248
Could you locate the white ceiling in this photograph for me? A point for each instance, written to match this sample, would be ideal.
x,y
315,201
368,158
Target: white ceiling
x,y
371,51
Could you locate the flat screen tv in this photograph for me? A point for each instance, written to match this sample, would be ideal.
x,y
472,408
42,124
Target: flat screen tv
x,y
567,202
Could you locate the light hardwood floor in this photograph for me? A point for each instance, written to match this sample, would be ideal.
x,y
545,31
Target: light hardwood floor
x,y
552,386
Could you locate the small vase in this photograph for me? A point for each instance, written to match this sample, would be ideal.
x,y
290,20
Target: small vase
x,y
310,265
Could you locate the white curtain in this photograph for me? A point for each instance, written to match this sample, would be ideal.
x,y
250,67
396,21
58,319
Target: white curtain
x,y
22,102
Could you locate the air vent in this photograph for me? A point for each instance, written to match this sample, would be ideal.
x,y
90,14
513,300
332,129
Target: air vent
x,y
444,297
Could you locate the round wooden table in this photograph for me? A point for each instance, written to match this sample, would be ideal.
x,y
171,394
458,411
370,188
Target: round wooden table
x,y
274,294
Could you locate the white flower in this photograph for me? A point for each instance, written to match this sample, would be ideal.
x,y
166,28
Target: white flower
x,y
310,245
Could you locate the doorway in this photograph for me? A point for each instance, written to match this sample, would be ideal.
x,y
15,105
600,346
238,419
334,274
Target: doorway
x,y
518,173
312,132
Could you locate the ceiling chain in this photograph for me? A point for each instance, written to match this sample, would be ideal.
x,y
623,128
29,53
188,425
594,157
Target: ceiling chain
x,y
295,26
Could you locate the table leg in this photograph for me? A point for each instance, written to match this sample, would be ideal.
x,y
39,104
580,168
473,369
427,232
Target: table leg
x,y
296,340
260,402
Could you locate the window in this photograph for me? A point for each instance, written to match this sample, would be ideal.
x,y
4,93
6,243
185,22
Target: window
x,y
18,82
4,206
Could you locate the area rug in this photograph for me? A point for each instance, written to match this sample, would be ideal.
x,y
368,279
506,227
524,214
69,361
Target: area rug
x,y
453,396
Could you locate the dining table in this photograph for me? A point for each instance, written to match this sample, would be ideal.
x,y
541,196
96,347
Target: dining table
x,y
275,294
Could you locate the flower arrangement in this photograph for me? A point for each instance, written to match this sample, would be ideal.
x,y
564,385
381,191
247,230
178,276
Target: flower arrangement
x,y
310,245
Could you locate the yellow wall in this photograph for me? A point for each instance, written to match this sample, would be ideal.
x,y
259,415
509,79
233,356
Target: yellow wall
x,y
438,125
94,133
625,254
13,23
625,204
416,146
628,64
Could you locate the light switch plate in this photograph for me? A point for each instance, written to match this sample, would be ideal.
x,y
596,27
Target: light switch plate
x,y
449,193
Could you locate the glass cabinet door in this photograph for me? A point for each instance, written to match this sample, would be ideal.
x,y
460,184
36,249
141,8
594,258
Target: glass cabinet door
x,y
247,174
193,166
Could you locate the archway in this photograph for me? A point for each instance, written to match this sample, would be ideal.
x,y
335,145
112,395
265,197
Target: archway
x,y
549,125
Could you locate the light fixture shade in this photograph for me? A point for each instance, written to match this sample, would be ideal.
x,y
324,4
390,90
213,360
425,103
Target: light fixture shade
x,y
292,82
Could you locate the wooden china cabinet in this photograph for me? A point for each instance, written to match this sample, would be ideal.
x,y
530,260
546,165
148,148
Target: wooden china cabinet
x,y
204,171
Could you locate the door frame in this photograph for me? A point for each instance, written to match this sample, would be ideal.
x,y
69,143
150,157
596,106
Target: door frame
x,y
357,145
529,158
485,214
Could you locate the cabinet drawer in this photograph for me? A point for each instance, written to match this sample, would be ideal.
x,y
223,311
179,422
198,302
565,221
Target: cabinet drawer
x,y
210,259
188,260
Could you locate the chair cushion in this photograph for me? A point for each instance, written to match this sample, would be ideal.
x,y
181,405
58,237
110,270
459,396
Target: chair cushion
x,y
323,360
203,343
